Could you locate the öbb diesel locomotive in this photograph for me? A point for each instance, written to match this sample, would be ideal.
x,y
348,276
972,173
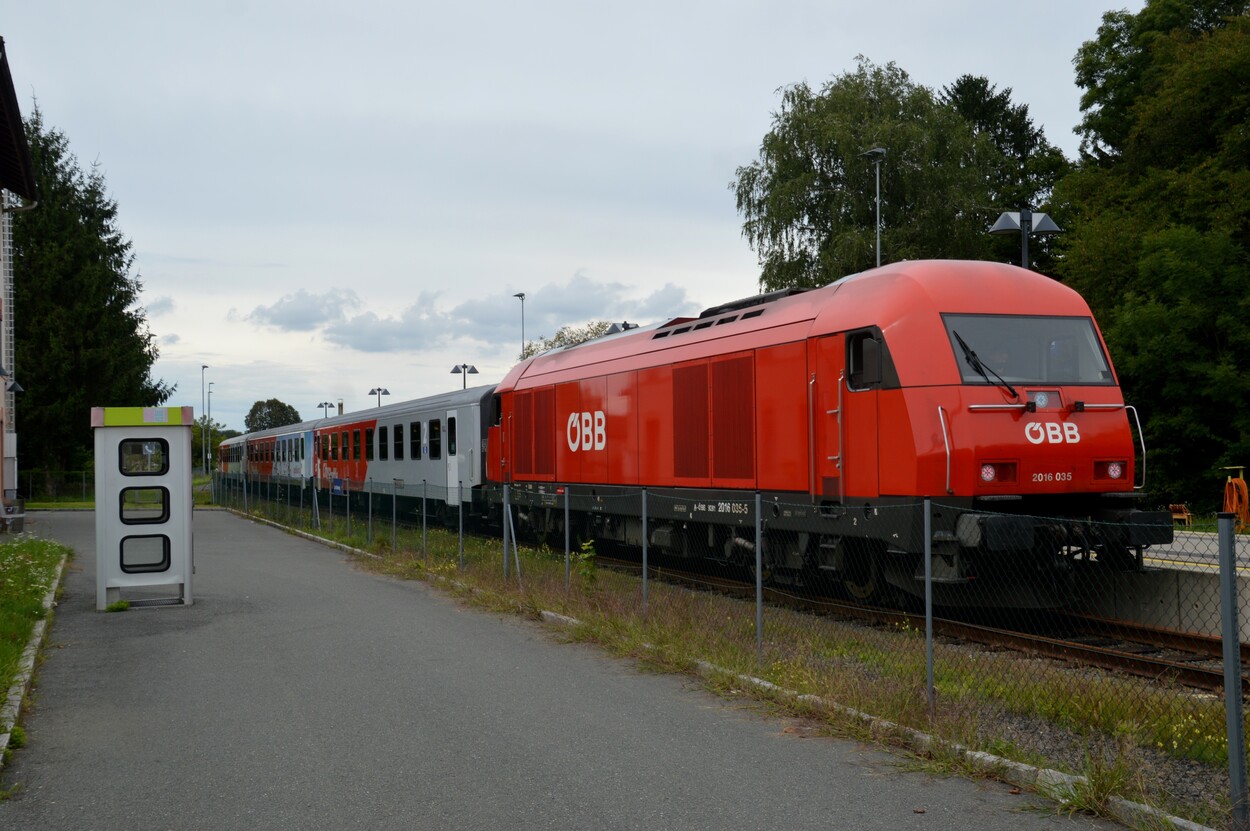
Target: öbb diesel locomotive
x,y
984,386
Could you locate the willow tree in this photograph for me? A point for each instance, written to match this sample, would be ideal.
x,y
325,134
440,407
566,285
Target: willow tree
x,y
809,201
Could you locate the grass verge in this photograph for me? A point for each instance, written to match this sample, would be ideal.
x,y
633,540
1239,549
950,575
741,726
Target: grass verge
x,y
27,570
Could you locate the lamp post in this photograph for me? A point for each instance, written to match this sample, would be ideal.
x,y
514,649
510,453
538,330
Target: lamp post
x,y
203,440
1024,223
876,154
379,392
325,408
209,413
464,371
521,296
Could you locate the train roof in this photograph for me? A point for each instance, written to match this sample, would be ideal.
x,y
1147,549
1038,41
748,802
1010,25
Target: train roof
x,y
446,400
905,300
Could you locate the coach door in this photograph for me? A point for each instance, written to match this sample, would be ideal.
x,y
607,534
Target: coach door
x,y
453,460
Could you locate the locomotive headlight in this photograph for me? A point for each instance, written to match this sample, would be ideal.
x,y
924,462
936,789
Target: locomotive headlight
x,y
988,473
1110,470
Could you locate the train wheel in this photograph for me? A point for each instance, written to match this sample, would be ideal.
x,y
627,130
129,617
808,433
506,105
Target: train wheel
x,y
861,572
769,571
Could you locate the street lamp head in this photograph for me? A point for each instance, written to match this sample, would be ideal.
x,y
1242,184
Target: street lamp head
x,y
520,294
464,371
876,154
1009,223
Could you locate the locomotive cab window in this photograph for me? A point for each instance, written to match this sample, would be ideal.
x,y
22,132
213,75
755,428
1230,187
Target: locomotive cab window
x,y
868,364
496,410
1023,349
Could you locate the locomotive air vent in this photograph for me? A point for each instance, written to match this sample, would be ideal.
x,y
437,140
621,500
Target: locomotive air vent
x,y
705,323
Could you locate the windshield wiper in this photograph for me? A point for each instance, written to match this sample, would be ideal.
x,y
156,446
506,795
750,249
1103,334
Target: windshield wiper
x,y
984,371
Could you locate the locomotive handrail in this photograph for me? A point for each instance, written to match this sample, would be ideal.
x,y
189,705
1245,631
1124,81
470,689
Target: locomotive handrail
x,y
841,442
1106,407
996,407
946,441
1141,439
811,436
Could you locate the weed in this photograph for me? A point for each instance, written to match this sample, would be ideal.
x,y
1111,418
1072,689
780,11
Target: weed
x,y
118,606
584,563
17,736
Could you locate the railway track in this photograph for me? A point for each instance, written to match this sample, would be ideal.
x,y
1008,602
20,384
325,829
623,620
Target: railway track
x,y
1161,655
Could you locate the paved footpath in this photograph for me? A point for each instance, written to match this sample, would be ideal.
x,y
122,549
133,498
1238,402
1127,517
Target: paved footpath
x,y
302,693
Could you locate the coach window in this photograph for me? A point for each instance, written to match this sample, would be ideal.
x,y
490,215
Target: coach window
x,y
399,442
355,445
414,440
325,447
384,449
368,444
436,439
347,444
334,446
451,436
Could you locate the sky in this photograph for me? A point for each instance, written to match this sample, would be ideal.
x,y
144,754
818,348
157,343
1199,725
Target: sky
x,y
326,198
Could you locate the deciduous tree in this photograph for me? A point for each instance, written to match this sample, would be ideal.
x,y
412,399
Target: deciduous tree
x,y
808,201
266,415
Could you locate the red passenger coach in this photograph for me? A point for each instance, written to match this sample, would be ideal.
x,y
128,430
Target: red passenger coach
x,y
984,386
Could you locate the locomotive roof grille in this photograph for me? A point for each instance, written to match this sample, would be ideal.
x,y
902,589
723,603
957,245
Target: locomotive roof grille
x,y
748,302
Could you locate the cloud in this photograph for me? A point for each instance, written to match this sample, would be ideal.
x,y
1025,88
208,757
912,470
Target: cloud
x,y
160,306
169,340
303,311
495,322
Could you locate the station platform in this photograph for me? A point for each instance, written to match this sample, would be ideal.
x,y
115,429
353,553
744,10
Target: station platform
x,y
301,692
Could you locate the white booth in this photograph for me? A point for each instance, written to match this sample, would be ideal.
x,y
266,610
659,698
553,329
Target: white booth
x,y
143,505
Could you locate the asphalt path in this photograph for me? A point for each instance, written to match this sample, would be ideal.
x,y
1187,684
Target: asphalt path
x,y
301,692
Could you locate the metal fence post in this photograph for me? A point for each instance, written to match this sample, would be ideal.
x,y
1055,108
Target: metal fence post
x,y
425,551
1233,714
566,539
644,549
369,533
505,531
930,692
759,582
394,511
460,504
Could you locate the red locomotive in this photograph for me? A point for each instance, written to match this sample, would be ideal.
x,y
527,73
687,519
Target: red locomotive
x,y
984,386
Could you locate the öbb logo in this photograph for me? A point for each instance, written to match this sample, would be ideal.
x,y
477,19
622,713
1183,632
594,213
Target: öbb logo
x,y
586,431
1052,432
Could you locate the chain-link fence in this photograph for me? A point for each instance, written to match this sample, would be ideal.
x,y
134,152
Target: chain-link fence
x,y
57,485
1092,647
